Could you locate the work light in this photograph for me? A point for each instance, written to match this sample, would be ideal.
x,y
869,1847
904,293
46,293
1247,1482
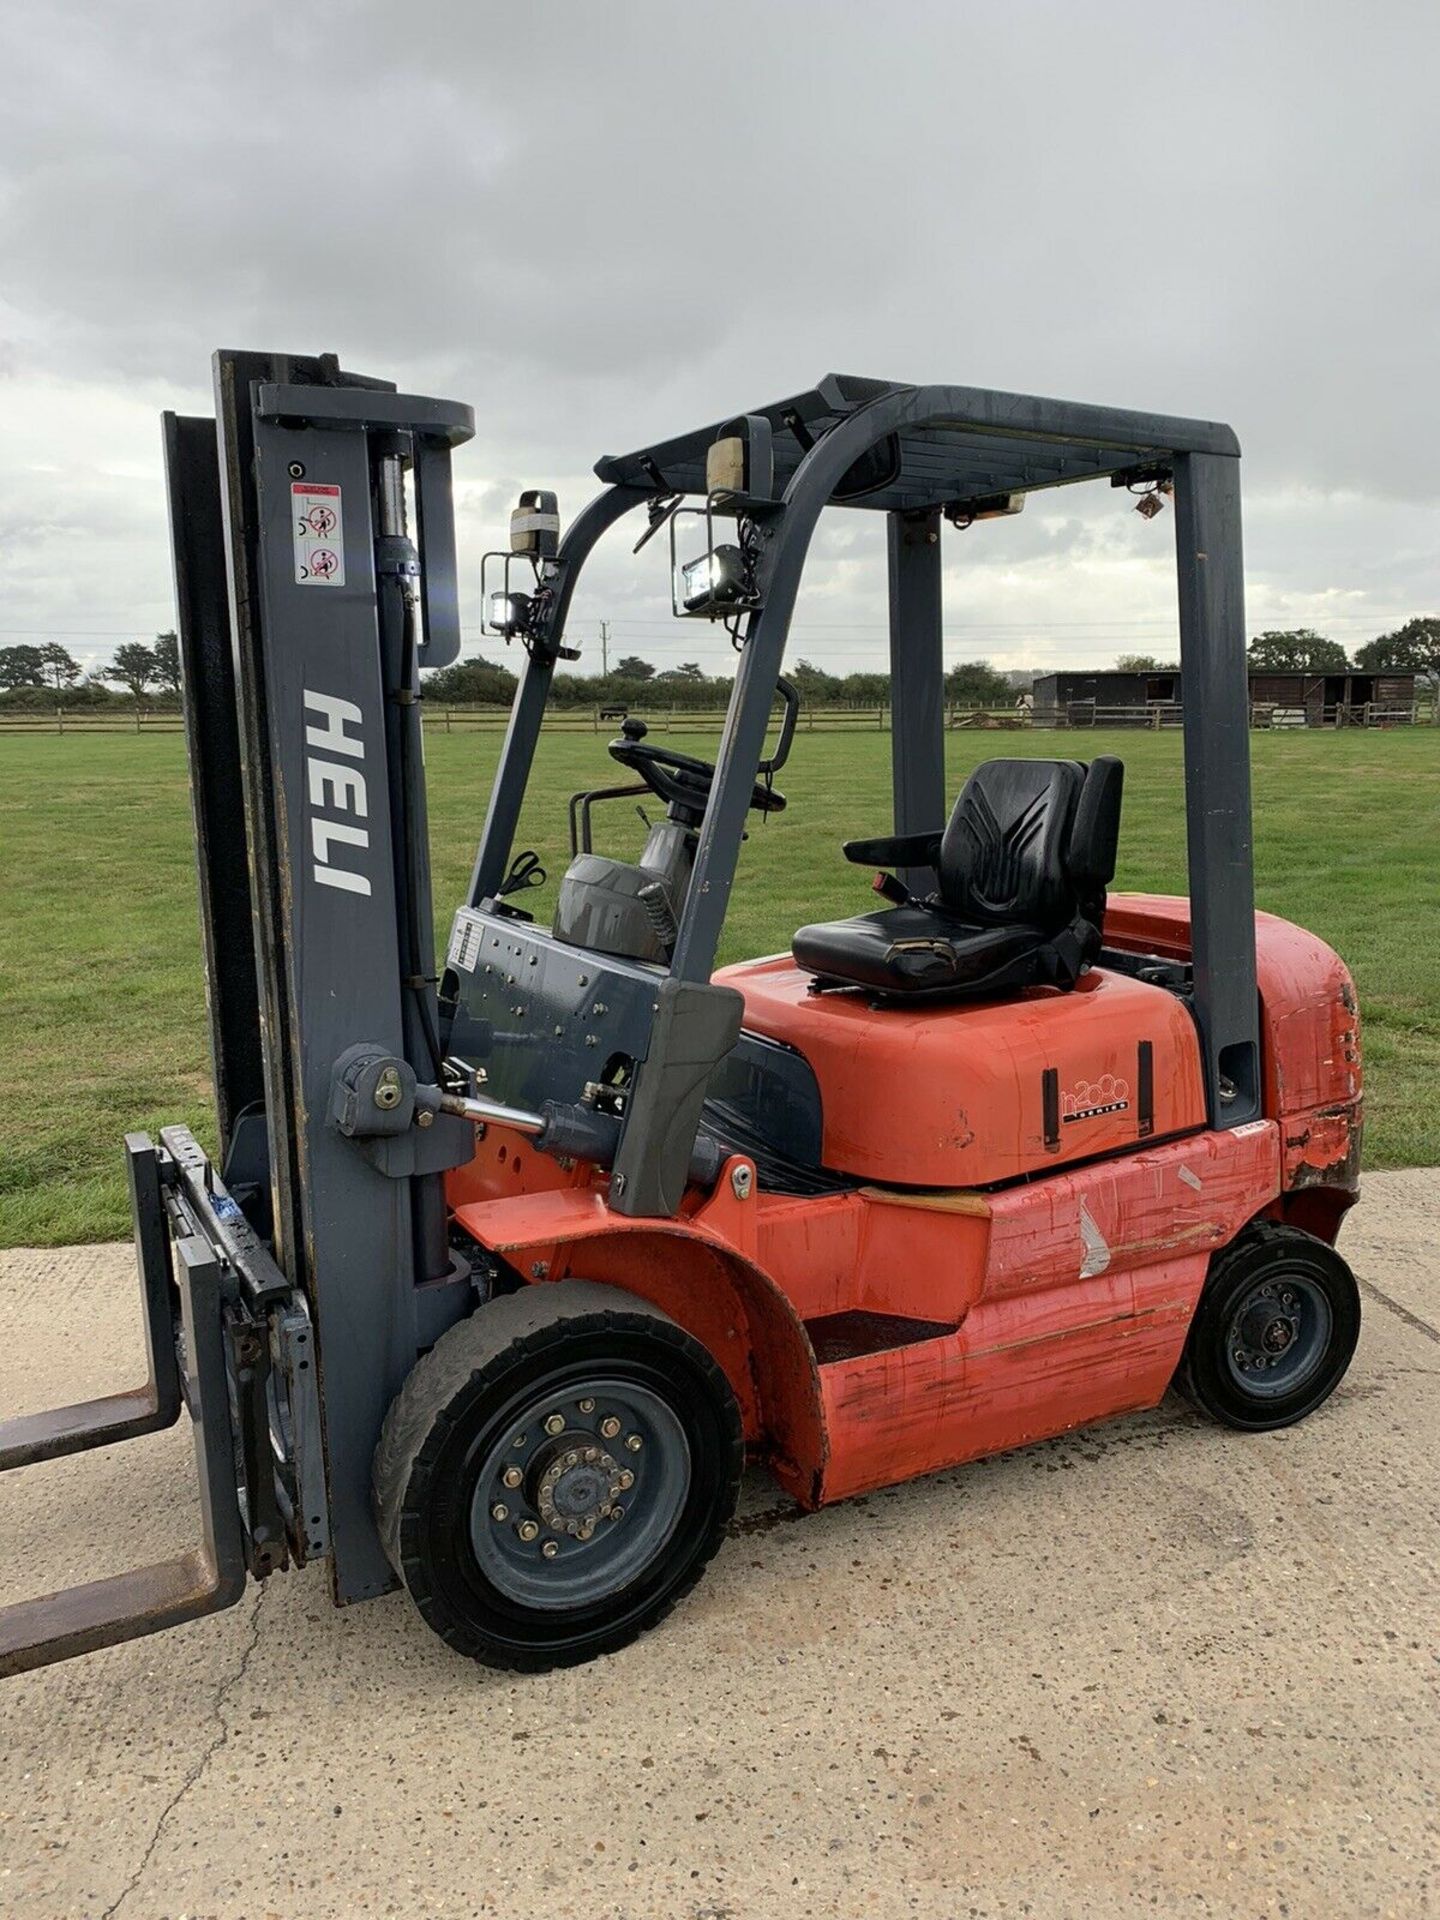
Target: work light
x,y
716,579
509,613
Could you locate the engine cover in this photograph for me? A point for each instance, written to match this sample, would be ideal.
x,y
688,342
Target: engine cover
x,y
966,1093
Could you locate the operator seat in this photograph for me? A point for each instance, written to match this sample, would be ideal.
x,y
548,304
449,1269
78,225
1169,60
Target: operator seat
x,y
1022,866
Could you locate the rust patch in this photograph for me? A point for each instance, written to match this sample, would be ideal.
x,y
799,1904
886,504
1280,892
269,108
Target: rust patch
x,y
1339,1173
1205,1233
930,1200
1324,1148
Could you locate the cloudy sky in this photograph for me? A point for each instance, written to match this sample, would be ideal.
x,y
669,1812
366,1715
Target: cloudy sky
x,y
604,223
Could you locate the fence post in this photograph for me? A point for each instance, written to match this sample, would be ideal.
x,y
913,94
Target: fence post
x,y
60,719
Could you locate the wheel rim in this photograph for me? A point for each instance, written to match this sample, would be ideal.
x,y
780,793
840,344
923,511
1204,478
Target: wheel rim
x,y
1278,1335
579,1492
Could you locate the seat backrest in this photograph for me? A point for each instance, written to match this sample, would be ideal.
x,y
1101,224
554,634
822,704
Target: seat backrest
x,y
1031,842
1095,836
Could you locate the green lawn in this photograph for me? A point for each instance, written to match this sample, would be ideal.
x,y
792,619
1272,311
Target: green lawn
x,y
102,1017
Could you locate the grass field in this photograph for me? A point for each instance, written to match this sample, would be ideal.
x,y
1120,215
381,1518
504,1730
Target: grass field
x,y
102,1012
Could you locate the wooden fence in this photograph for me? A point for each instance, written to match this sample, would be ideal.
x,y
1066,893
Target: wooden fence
x,y
90,720
583,720
1078,714
1157,716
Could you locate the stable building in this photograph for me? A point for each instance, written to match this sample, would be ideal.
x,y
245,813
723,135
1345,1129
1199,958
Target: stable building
x,y
1109,697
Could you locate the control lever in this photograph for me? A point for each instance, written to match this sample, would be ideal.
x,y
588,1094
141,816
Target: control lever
x,y
573,1132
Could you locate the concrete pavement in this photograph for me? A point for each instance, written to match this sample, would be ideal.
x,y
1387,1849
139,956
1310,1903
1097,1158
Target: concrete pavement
x,y
1151,1668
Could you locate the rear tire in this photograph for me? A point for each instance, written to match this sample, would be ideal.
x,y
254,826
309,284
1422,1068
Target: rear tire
x,y
556,1473
1274,1332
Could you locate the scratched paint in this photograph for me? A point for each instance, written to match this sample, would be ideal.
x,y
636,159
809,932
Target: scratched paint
x,y
1063,1299
1094,1247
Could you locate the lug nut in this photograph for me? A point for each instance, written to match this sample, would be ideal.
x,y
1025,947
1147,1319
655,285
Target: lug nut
x,y
617,1513
587,1406
633,1442
528,1530
512,1476
550,1549
609,1426
499,1511
555,1423
627,1479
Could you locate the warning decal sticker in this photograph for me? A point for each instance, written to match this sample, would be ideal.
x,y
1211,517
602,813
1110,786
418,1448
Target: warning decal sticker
x,y
319,535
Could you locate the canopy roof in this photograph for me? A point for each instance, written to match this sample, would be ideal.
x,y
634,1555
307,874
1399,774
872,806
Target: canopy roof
x,y
974,444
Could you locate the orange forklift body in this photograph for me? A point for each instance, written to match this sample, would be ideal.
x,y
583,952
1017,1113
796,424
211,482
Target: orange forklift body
x,y
983,1166
1031,1271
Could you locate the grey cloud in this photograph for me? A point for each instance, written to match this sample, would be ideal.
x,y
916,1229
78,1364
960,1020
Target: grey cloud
x,y
602,223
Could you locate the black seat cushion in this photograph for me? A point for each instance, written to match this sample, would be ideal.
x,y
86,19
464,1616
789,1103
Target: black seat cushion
x,y
1022,867
912,949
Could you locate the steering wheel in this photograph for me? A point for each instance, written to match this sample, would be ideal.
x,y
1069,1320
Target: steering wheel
x,y
679,779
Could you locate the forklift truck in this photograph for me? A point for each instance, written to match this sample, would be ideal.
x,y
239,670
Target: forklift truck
x,y
502,1275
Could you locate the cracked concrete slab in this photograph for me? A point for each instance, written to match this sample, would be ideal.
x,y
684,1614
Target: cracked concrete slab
x,y
1151,1667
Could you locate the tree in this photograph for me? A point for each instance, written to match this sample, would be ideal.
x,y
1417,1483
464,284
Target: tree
x,y
632,667
167,662
975,683
865,689
1138,663
814,685
61,671
1413,648
472,682
22,666
1299,650
133,666
688,670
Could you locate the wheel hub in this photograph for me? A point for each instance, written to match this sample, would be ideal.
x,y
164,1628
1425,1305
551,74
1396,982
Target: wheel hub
x,y
577,1485
1278,1334
580,1489
1268,1330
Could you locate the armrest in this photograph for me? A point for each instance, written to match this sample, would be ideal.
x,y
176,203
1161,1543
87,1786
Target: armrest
x,y
896,850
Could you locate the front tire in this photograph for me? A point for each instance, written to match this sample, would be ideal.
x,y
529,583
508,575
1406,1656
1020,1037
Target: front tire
x,y
556,1473
1274,1332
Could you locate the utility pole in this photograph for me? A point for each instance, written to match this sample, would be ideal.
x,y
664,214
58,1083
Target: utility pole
x,y
605,648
